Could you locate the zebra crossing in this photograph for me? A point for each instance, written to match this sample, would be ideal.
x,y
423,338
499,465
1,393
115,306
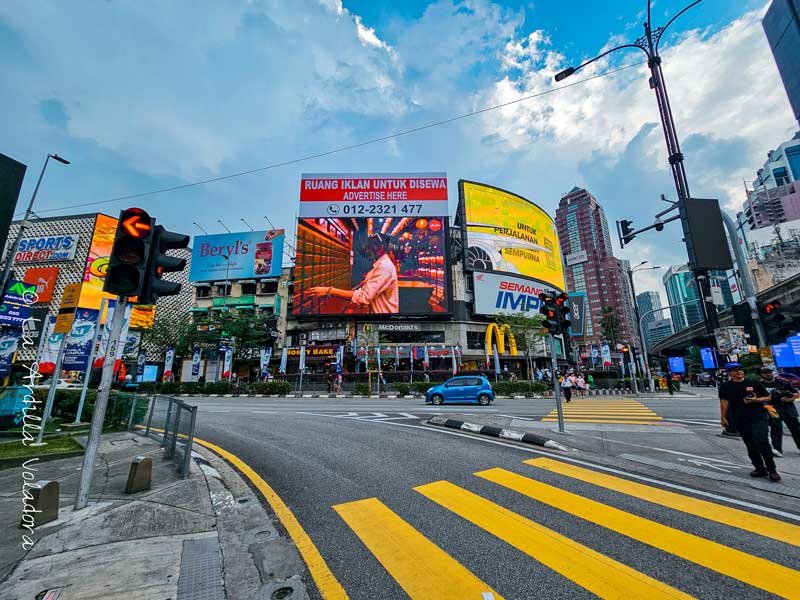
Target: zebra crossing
x,y
423,568
622,411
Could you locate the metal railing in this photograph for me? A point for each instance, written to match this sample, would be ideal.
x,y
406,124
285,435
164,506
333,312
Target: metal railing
x,y
174,421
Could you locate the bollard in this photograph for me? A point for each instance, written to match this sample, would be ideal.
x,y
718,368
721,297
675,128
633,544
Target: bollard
x,y
40,504
140,474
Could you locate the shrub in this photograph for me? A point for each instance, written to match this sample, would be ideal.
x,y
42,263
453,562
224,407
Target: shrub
x,y
191,387
169,388
218,387
361,389
402,388
420,387
270,387
511,388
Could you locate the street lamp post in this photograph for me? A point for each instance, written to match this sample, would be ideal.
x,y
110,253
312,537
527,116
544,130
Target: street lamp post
x,y
644,342
648,44
630,273
25,221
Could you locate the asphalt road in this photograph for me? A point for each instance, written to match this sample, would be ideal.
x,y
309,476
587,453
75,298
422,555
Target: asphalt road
x,y
473,535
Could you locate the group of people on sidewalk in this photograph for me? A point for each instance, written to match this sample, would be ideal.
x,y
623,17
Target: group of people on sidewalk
x,y
756,409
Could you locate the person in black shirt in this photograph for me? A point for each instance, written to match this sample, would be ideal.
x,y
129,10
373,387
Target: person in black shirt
x,y
783,395
746,399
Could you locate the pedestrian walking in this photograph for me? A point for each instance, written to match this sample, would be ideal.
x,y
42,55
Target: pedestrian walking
x,y
782,394
566,387
747,400
580,385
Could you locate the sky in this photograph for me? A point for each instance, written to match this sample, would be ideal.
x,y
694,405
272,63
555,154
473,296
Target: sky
x,y
142,96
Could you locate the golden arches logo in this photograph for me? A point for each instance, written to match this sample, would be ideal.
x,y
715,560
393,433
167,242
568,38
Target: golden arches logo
x,y
500,333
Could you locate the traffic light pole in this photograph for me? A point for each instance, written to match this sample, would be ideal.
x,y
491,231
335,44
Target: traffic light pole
x,y
556,386
89,457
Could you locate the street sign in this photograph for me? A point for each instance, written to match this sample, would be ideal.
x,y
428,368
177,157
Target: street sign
x,y
66,311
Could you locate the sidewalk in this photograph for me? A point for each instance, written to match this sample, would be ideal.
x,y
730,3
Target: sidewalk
x,y
206,536
697,456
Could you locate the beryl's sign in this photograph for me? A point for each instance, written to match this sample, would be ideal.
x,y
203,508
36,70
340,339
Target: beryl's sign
x,y
47,248
242,255
504,294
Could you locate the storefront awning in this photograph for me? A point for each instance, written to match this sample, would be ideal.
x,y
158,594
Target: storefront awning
x,y
201,284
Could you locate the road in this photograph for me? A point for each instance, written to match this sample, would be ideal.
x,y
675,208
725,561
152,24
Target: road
x,y
399,510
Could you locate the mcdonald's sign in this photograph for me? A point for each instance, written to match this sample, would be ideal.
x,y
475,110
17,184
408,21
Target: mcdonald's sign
x,y
500,333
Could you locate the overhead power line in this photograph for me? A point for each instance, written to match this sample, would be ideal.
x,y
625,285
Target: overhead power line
x,y
348,147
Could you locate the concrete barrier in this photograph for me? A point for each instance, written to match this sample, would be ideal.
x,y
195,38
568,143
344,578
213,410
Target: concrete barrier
x,y
139,475
40,504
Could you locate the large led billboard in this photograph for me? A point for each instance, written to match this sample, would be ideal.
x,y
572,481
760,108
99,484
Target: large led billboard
x,y
372,245
242,255
507,233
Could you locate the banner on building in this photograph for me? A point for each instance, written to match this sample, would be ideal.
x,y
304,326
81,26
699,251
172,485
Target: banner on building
x,y
169,358
302,365
78,348
49,350
577,306
44,278
228,361
133,343
196,361
731,340
15,306
46,248
496,294
141,361
284,358
9,341
266,355
605,353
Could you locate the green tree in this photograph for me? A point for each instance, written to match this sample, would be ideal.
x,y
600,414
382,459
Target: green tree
x,y
527,330
612,329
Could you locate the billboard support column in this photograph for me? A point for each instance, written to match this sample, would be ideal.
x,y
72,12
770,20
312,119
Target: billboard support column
x,y
88,375
556,386
51,393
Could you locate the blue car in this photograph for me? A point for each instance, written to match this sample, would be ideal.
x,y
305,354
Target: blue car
x,y
467,389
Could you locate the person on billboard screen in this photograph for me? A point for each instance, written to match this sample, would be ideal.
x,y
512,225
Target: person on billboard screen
x,y
379,291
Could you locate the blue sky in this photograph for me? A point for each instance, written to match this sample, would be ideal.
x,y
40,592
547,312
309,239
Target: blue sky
x,y
142,96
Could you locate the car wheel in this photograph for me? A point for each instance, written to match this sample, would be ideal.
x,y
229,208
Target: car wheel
x,y
437,399
484,400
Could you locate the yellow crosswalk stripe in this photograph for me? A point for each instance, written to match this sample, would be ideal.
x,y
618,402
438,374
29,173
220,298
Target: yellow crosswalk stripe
x,y
621,412
418,565
600,422
589,569
759,572
733,517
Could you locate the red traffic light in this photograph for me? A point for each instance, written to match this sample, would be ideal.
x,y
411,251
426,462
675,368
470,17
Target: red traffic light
x,y
136,223
771,307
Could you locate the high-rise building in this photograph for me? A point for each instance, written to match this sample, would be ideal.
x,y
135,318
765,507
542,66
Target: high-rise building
x,y
682,288
782,26
591,268
647,302
657,331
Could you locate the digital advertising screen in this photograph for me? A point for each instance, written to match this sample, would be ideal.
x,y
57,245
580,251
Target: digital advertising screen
x,y
385,252
507,233
241,255
709,358
676,364
784,356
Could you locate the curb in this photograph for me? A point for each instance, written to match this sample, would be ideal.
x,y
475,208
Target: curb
x,y
498,432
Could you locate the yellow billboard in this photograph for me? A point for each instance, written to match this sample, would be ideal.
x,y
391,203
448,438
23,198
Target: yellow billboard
x,y
508,234
94,273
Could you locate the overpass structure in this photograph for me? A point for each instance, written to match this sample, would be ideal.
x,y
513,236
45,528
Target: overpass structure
x,y
787,293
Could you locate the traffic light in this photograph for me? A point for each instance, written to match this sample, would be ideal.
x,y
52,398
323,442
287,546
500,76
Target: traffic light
x,y
159,263
776,326
548,308
555,311
564,312
127,265
625,230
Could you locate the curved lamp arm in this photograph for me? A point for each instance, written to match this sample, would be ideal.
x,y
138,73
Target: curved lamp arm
x,y
569,71
679,13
